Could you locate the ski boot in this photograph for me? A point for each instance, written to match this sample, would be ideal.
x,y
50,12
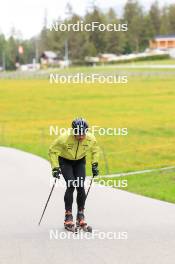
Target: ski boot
x,y
81,223
68,222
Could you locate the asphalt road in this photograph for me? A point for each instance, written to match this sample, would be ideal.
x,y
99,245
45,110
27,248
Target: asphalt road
x,y
128,228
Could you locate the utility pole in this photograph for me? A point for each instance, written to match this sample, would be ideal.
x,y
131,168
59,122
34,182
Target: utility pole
x,y
68,14
3,61
36,50
66,53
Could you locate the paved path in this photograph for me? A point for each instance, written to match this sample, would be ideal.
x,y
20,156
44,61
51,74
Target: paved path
x,y
24,188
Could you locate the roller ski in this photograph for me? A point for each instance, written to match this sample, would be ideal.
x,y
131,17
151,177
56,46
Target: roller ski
x,y
81,224
68,222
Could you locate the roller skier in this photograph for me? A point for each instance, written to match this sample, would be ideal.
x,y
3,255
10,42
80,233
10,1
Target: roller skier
x,y
68,157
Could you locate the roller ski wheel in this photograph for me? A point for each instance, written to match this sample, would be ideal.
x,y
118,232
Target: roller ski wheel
x,y
84,227
70,228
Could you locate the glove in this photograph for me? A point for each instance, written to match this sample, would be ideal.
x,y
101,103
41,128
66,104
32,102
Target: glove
x,y
95,170
56,172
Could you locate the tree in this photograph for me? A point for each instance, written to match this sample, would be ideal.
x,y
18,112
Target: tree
x,y
172,18
97,37
11,53
155,18
2,49
133,15
165,23
115,40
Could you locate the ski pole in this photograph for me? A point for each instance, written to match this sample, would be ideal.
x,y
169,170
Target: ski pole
x,y
47,201
89,187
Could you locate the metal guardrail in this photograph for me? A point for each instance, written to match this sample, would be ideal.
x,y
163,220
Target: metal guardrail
x,y
122,174
43,75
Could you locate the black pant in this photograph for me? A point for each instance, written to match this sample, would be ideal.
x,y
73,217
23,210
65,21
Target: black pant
x,y
74,173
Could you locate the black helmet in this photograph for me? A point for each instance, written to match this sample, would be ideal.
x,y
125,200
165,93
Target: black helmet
x,y
80,126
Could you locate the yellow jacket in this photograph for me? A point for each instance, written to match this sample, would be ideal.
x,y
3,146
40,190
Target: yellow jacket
x,y
68,147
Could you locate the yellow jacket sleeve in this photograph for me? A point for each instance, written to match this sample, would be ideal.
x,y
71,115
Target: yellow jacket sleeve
x,y
54,152
95,152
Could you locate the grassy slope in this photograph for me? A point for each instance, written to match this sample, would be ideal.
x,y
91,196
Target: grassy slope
x,y
159,185
145,106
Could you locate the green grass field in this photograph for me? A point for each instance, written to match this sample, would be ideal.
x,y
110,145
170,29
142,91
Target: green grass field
x,y
145,106
159,185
